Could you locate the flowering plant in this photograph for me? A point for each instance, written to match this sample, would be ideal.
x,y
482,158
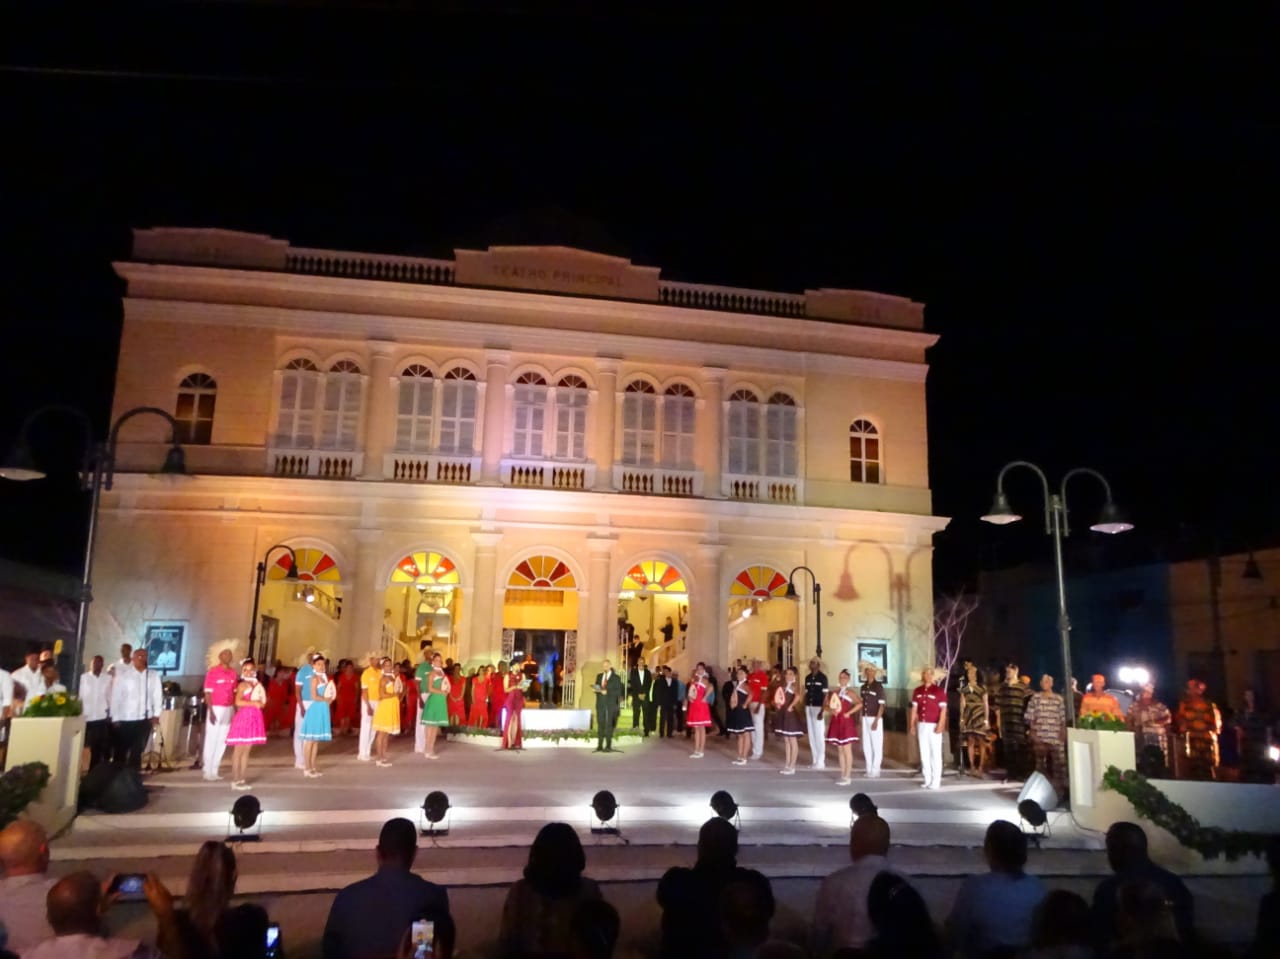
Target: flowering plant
x,y
19,787
53,704
1102,721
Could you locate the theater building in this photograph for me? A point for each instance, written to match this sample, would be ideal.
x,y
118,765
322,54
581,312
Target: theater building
x,y
532,452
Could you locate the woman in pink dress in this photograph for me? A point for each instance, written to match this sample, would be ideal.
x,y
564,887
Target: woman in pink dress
x,y
698,717
842,706
512,737
247,728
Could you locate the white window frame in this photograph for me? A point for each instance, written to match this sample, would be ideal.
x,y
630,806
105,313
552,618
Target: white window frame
x,y
570,402
639,441
531,399
341,407
679,418
301,413
196,385
417,382
862,428
781,452
455,420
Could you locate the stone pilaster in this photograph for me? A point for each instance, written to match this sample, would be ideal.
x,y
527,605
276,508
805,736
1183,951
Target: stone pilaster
x,y
362,626
606,420
708,625
497,365
380,413
711,431
484,637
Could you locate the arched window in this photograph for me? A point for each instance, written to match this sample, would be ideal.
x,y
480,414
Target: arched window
x,y
780,457
865,464
639,423
529,415
571,418
194,409
343,399
458,412
296,410
678,409
416,404
743,433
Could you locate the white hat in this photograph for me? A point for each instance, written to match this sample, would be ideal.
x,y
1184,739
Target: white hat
x,y
216,650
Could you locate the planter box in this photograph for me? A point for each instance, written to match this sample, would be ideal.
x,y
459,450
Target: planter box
x,y
57,743
1089,753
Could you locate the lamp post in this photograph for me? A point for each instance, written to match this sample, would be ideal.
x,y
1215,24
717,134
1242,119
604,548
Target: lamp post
x,y
817,601
97,474
1056,524
290,573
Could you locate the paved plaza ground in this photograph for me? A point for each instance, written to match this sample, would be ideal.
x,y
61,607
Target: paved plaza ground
x,y
318,835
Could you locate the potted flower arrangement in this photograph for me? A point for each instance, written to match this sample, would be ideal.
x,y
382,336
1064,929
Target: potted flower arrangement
x,y
1101,721
51,731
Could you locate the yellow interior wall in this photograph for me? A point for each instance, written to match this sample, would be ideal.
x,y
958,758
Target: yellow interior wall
x,y
300,626
750,637
543,617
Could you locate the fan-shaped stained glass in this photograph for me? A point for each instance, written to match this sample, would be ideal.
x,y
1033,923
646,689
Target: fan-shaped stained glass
x,y
654,576
314,566
762,582
426,567
541,572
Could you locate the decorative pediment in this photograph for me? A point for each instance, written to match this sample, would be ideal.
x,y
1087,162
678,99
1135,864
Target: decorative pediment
x,y
556,269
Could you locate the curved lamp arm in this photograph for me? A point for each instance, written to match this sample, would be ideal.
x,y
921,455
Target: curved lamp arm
x,y
109,452
1044,483
1086,471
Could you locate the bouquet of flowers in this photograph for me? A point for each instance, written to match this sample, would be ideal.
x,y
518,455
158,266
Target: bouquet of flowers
x,y
1102,721
53,705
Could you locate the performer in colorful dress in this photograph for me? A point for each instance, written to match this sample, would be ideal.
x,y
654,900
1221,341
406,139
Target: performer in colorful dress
x,y
1149,719
1199,723
842,705
317,693
247,726
347,705
457,706
435,709
512,733
788,719
738,720
699,712
386,717
975,722
1011,710
480,698
1047,727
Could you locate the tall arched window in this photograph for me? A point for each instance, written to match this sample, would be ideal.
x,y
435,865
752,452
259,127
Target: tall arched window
x,y
780,449
458,412
529,415
678,410
743,433
197,394
571,418
865,464
296,411
416,406
639,423
343,399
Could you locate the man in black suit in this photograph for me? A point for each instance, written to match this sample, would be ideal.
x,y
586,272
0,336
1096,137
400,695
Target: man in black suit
x,y
640,689
609,693
664,701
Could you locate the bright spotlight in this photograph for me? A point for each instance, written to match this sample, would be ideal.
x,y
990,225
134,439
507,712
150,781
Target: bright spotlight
x,y
246,812
1273,753
1131,676
605,807
436,808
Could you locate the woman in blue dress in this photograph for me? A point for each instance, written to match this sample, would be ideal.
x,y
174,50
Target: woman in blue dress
x,y
317,693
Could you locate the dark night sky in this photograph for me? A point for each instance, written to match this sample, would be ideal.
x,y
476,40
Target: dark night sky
x,y
1087,208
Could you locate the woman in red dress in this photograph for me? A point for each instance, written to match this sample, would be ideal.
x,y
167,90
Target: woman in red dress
x,y
699,714
409,705
842,705
480,698
346,707
278,713
457,688
497,695
511,732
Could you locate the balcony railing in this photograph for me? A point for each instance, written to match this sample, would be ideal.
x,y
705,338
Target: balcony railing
x,y
315,463
370,266
730,298
548,474
431,468
762,489
657,481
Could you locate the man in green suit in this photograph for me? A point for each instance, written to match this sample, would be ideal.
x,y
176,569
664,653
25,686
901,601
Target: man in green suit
x,y
608,690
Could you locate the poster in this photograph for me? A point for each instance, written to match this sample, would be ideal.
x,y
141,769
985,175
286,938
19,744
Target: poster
x,y
873,653
165,644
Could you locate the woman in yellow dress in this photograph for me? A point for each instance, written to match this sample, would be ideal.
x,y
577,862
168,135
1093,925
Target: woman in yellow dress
x,y
386,718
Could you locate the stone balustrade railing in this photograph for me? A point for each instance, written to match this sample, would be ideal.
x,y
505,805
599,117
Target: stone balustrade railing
x,y
315,463
762,489
548,474
657,481
730,298
431,468
370,266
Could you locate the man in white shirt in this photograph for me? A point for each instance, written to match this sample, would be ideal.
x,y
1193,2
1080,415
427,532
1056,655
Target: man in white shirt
x,y
24,854
135,705
125,660
30,676
840,919
95,693
6,694
74,908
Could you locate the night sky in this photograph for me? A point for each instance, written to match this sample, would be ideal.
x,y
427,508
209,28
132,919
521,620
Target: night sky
x,y
1087,207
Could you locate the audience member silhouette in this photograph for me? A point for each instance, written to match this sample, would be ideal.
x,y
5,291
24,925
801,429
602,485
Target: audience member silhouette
x,y
537,917
1130,861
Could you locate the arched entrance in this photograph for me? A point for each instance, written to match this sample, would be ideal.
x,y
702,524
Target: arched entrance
x,y
540,626
653,613
423,605
759,629
297,615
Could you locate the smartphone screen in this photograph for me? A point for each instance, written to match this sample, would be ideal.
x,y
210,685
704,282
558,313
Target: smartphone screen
x,y
424,936
273,940
128,887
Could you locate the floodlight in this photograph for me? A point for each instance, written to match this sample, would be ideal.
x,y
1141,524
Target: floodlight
x,y
436,808
246,812
605,807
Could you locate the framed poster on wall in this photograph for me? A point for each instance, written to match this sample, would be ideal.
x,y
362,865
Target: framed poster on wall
x,y
873,653
165,643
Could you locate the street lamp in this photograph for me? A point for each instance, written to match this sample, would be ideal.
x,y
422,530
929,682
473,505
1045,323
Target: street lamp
x,y
1110,520
97,474
290,572
817,601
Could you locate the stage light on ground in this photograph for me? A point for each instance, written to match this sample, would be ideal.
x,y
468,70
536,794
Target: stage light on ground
x,y
435,808
1035,801
605,807
245,814
723,805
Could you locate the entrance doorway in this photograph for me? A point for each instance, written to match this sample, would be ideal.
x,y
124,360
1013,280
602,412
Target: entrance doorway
x,y
543,653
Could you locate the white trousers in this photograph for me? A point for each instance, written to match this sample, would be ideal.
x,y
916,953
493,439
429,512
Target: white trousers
x,y
419,730
757,738
215,739
872,746
299,712
930,741
817,736
366,731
